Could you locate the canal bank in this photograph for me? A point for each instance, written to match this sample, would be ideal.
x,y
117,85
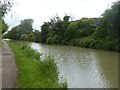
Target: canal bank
x,y
32,71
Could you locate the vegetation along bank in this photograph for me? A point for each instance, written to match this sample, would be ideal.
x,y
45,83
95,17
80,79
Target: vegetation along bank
x,y
32,71
98,33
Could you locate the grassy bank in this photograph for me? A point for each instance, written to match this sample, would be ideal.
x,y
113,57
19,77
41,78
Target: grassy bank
x,y
32,71
0,43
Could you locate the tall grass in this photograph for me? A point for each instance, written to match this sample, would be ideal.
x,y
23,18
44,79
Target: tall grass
x,y
34,72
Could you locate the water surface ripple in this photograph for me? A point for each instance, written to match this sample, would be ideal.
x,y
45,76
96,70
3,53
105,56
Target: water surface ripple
x,y
83,67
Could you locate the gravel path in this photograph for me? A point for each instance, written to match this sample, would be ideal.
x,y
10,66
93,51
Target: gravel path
x,y
9,70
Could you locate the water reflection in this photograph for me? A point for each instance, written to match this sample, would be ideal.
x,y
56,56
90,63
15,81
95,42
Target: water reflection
x,y
81,67
108,65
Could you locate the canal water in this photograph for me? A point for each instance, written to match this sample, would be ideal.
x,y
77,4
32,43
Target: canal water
x,y
83,67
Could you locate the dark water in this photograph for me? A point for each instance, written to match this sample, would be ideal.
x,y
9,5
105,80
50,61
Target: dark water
x,y
82,67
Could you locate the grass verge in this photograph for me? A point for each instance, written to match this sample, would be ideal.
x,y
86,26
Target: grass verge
x,y
0,43
32,71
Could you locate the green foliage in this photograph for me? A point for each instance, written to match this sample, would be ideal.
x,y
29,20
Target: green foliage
x,y
37,36
25,27
12,34
108,31
85,27
109,23
70,32
99,33
5,6
3,26
24,31
63,31
30,52
54,31
44,28
34,72
53,40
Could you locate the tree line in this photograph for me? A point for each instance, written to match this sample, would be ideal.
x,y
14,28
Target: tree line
x,y
98,33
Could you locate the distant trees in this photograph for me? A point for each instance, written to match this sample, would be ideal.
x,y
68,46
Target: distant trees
x,y
100,33
53,31
12,34
61,31
85,27
37,36
25,27
44,32
24,31
20,31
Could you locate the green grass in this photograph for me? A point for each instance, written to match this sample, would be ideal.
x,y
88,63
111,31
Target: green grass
x,y
34,72
1,43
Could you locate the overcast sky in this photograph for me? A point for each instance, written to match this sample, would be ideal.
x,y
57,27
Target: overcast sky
x,y
42,10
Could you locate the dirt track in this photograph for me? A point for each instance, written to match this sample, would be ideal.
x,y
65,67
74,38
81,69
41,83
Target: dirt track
x,y
9,70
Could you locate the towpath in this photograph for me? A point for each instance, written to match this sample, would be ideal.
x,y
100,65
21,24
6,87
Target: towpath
x,y
9,70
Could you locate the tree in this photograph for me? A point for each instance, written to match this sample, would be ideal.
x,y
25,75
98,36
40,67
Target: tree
x,y
23,31
37,36
44,32
70,31
12,34
110,23
25,27
4,26
85,27
5,6
55,31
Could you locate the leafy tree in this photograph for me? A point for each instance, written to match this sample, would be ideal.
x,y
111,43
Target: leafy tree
x,y
54,30
100,33
5,6
110,23
12,34
44,32
25,27
85,27
37,36
70,31
23,31
4,26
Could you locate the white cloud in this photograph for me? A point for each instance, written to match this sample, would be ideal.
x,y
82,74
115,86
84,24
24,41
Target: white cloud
x,y
42,10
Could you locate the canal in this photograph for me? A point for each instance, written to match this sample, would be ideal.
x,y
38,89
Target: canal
x,y
83,67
